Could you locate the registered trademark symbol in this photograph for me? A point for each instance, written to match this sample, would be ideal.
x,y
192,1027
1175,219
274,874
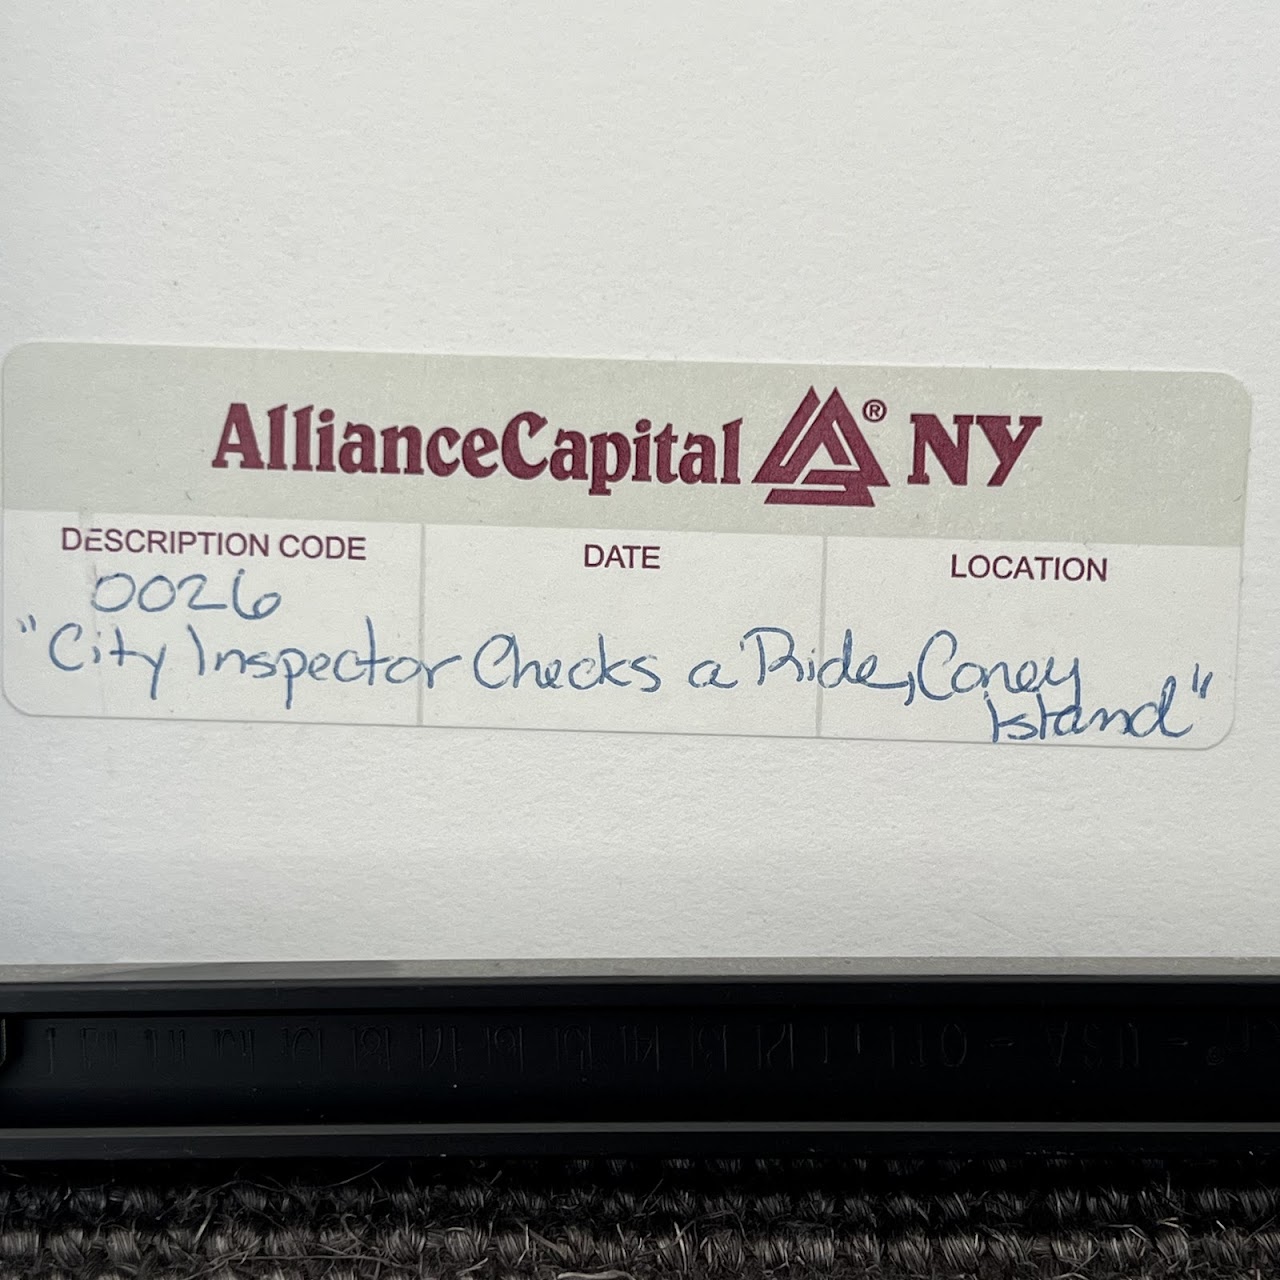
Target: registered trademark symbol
x,y
875,410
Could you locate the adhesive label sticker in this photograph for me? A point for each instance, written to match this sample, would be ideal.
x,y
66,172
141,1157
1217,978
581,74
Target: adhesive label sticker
x,y
1037,557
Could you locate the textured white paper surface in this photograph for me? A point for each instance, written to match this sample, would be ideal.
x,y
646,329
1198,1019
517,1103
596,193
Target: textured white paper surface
x,y
889,184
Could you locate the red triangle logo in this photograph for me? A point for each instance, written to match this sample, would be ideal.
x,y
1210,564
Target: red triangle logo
x,y
831,428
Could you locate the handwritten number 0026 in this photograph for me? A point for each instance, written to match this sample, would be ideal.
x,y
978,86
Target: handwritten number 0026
x,y
115,592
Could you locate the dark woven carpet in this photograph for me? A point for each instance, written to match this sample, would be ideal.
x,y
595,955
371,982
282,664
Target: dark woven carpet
x,y
616,1219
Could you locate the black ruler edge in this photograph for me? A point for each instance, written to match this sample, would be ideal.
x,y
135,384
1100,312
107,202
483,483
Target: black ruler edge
x,y
908,1139
1056,1106
286,992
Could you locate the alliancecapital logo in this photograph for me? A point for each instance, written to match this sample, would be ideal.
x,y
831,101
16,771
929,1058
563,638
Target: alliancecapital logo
x,y
821,458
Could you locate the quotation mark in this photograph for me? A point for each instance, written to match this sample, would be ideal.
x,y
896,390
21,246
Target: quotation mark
x,y
1200,683
27,624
